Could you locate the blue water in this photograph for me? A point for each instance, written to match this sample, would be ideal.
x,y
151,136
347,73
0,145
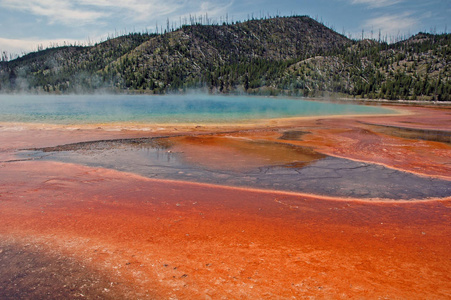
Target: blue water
x,y
92,109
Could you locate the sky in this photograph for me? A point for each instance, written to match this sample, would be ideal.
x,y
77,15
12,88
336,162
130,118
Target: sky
x,y
29,24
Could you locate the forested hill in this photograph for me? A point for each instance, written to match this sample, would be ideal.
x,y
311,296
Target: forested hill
x,y
285,55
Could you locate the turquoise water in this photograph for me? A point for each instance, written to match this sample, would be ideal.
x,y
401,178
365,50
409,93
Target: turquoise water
x,y
88,109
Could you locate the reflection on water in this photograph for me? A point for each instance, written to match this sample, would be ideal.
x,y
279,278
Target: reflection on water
x,y
230,153
241,162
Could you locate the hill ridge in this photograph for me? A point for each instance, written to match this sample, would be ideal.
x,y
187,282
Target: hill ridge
x,y
285,55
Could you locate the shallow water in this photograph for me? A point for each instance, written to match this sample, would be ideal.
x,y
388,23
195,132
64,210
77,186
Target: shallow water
x,y
93,109
245,163
414,133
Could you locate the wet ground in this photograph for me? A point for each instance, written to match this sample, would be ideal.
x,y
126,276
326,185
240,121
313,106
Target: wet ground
x,y
74,223
235,161
415,133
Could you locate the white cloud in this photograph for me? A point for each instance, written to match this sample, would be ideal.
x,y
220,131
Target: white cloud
x,y
82,12
100,16
18,47
55,11
138,9
393,25
376,3
214,9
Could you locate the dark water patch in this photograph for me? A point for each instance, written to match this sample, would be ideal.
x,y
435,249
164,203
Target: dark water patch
x,y
346,178
28,272
305,171
293,135
140,156
157,143
414,133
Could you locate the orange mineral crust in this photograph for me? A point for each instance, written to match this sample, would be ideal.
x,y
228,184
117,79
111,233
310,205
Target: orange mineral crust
x,y
418,141
163,239
73,231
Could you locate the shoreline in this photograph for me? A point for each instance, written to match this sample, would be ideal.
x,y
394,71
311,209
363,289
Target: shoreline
x,y
239,123
143,126
330,98
309,196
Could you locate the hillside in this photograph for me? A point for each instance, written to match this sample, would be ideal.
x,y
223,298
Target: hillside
x,y
287,55
418,68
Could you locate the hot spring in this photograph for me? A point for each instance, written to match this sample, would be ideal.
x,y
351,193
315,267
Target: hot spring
x,y
92,109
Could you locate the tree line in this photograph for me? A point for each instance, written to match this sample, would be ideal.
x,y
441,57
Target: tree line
x,y
286,55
